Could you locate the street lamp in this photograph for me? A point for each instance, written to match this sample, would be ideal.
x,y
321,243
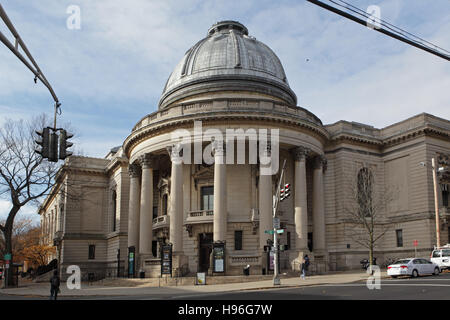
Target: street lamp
x,y
436,199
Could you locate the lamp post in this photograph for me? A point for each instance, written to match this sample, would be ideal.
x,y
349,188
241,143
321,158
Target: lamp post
x,y
436,203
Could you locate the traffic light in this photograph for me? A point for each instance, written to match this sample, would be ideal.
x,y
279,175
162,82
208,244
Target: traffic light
x,y
64,144
285,192
44,142
53,152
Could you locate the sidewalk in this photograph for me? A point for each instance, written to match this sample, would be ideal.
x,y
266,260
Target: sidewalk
x,y
43,289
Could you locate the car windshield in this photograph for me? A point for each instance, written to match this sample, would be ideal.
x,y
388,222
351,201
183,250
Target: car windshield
x,y
436,254
404,261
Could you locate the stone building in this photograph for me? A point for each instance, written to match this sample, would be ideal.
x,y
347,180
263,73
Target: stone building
x,y
146,193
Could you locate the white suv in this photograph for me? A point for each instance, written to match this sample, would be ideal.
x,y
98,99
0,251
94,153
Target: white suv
x,y
441,256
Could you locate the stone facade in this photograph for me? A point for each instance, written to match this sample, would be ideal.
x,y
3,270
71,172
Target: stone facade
x,y
144,193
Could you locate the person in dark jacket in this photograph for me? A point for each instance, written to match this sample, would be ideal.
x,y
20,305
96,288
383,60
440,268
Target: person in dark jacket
x,y
54,285
305,266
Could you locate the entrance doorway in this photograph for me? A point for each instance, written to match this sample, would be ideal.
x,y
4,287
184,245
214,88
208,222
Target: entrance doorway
x,y
204,251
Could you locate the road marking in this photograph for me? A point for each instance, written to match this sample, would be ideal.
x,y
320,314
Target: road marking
x,y
388,284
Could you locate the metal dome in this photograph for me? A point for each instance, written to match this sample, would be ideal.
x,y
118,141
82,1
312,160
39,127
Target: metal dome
x,y
227,59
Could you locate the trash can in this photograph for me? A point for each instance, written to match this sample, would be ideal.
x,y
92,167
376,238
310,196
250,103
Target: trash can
x,y
142,274
247,270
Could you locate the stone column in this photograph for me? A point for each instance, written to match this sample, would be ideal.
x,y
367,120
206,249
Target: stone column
x,y
220,192
300,207
146,209
318,206
265,210
134,206
176,199
179,260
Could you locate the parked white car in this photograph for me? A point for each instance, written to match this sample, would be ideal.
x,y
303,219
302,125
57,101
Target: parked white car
x,y
441,256
412,267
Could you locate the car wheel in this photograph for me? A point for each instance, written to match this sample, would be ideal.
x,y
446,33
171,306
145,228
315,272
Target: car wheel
x,y
436,271
393,277
415,274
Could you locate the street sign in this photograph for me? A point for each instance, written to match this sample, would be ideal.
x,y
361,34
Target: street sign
x,y
7,256
276,223
280,230
416,243
269,231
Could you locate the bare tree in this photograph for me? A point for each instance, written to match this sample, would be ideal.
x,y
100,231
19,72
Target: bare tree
x,y
365,210
24,176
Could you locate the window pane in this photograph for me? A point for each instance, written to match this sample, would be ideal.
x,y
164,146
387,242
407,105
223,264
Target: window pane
x,y
399,237
91,251
238,240
207,196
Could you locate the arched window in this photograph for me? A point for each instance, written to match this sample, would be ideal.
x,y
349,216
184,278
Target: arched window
x,y
365,190
114,210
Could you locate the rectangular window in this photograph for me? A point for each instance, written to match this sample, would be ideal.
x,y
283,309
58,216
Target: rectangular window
x,y
155,212
114,210
310,241
445,198
207,198
448,234
238,240
399,234
154,248
91,251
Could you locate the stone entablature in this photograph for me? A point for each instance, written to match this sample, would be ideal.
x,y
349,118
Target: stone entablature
x,y
422,124
229,105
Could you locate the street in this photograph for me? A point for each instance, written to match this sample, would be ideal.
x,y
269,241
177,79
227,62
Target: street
x,y
422,288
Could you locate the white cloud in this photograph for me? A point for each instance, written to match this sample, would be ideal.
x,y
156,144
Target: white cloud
x,y
110,73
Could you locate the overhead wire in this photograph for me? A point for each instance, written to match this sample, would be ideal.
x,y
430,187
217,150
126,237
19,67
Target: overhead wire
x,y
388,25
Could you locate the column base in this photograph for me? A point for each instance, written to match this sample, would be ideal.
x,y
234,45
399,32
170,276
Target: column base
x,y
264,268
180,264
296,258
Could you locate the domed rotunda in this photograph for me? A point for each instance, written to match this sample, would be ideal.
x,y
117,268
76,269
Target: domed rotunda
x,y
192,188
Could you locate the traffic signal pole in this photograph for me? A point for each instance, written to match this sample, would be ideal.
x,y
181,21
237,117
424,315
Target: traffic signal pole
x,y
276,201
34,68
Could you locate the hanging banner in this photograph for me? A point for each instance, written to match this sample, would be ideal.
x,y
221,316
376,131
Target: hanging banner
x,y
131,262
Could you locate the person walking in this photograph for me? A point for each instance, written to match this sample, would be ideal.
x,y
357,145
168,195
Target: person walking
x,y
54,285
305,265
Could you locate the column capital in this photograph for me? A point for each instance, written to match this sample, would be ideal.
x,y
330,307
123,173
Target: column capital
x,y
146,161
134,170
175,152
265,150
320,162
218,148
300,153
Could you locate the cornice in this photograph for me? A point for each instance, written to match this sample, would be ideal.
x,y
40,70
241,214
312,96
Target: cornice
x,y
274,117
427,130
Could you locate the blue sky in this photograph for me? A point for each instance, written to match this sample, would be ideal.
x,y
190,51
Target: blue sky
x,y
111,72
